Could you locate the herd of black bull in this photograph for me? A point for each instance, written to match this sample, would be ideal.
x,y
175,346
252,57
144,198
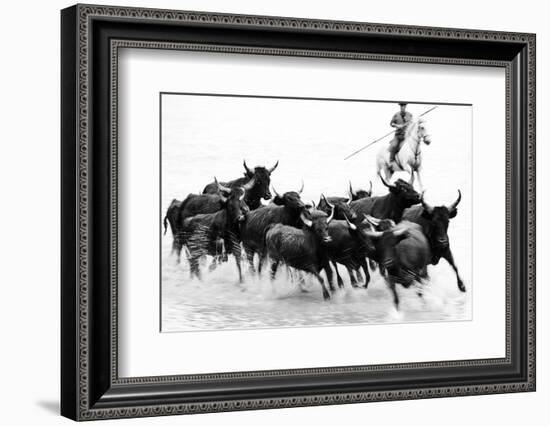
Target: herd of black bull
x,y
398,231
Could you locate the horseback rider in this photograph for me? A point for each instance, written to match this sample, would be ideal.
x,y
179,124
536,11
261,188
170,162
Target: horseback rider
x,y
399,121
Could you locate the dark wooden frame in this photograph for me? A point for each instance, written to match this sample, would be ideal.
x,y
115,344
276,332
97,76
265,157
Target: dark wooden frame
x,y
90,386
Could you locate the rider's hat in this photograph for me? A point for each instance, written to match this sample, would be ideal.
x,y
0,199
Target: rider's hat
x,y
402,103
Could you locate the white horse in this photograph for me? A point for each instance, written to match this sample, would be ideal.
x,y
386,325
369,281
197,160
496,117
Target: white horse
x,y
409,157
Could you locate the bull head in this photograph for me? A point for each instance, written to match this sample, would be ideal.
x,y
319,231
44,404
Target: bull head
x,y
429,209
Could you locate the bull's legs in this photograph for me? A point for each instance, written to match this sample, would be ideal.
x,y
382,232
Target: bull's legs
x,y
194,266
339,279
365,266
274,266
448,256
391,285
372,265
250,258
177,246
330,276
234,246
262,255
358,274
237,255
351,273
326,294
301,281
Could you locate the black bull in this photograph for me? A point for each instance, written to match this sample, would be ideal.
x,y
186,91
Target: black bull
x,y
302,249
286,209
435,222
404,252
390,206
260,189
213,233
195,204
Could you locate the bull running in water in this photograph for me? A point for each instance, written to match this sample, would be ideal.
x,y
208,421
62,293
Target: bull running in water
x,y
404,253
285,209
212,233
435,223
302,249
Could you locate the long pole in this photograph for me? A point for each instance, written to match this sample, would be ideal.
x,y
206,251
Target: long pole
x,y
382,137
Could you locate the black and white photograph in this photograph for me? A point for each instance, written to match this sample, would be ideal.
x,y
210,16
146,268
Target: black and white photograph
x,y
266,209
283,212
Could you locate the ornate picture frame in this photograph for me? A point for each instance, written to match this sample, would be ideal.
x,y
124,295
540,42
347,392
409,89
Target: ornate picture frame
x,y
90,39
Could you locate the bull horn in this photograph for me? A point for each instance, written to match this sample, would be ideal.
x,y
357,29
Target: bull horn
x,y
332,209
455,204
425,205
306,221
326,201
248,171
372,220
302,188
384,181
351,193
313,204
248,186
351,225
243,194
370,188
400,230
411,180
273,168
373,234
221,187
275,191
